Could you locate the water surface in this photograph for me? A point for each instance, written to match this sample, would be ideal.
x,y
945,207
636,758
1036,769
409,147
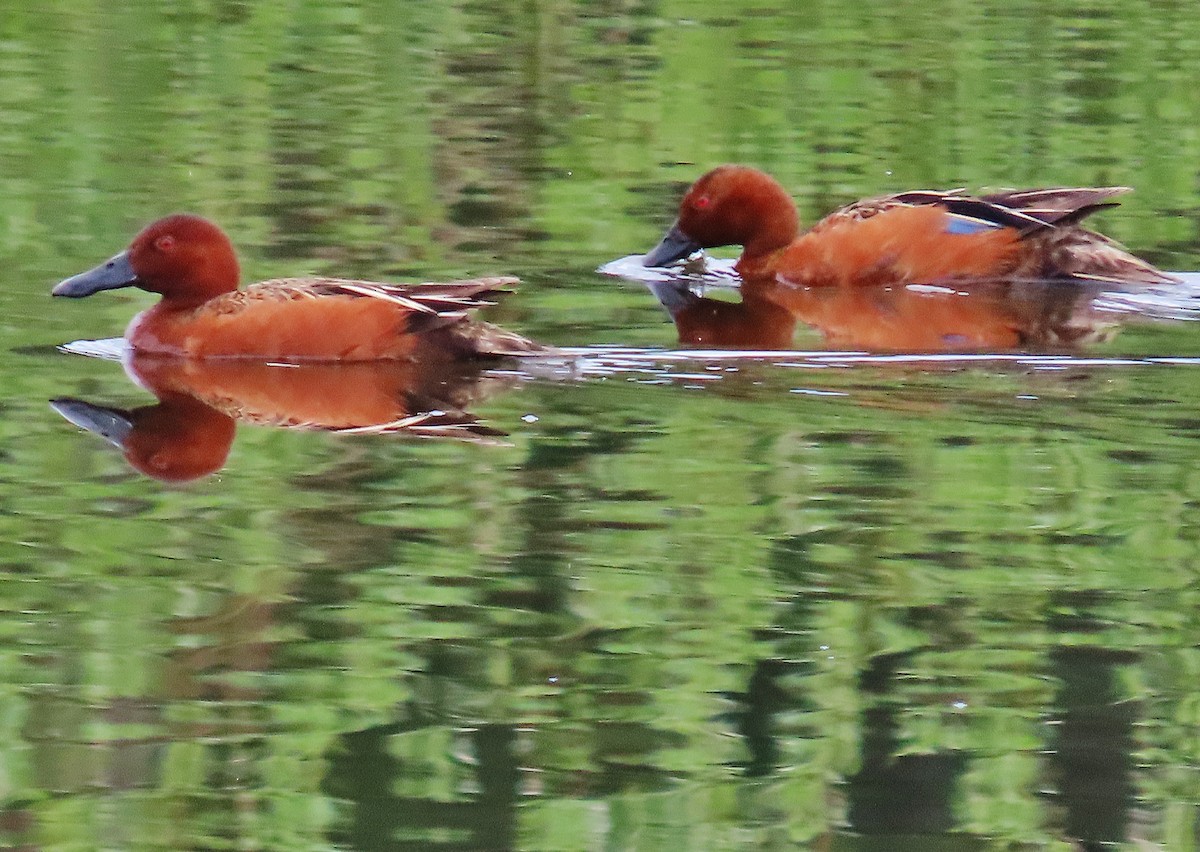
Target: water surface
x,y
693,600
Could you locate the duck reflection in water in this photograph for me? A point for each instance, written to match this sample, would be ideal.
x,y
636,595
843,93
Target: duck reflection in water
x,y
976,317
188,432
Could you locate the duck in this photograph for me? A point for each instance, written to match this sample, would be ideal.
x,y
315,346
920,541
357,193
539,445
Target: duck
x,y
927,237
191,263
187,433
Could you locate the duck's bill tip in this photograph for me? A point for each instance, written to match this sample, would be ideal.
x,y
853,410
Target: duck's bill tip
x,y
113,274
112,424
676,245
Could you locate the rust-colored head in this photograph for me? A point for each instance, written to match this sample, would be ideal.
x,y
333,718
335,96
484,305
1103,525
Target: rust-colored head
x,y
185,258
730,206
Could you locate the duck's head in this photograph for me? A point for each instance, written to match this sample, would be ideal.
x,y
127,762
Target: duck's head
x,y
729,206
183,257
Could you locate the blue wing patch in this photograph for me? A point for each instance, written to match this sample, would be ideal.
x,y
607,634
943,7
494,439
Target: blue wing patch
x,y
956,223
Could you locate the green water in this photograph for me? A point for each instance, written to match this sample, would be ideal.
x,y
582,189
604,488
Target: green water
x,y
689,604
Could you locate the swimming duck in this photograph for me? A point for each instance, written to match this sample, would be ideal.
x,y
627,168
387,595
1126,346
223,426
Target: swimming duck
x,y
191,263
919,237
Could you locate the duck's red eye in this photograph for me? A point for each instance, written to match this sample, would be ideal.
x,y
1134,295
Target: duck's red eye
x,y
165,243
701,202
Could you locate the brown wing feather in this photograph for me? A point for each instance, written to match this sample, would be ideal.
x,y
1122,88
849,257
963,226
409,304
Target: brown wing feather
x,y
1027,210
451,296
953,200
1087,256
433,305
1055,198
1060,205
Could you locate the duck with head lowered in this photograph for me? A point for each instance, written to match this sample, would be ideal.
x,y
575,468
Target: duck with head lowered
x,y
191,263
919,237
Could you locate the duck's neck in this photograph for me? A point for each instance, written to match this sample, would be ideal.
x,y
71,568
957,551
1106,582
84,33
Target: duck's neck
x,y
206,276
771,224
175,302
751,265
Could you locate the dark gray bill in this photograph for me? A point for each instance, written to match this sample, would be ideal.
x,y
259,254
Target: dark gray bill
x,y
674,295
110,275
676,245
112,424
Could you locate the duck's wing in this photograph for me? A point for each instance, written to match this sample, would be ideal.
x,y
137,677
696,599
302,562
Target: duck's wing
x,y
1026,210
1046,219
1086,256
444,305
1058,205
1075,251
451,299
430,306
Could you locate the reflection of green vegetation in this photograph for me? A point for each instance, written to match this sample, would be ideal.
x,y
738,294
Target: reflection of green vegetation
x,y
606,586
425,132
660,611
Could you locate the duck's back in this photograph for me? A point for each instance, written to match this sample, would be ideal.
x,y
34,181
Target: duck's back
x,y
932,236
